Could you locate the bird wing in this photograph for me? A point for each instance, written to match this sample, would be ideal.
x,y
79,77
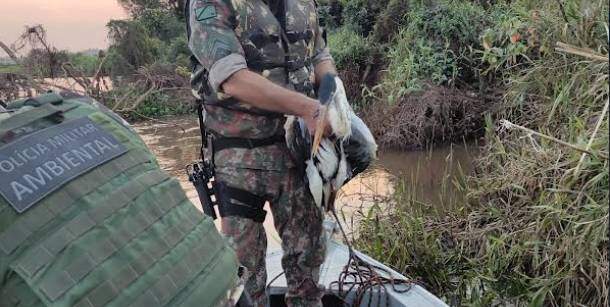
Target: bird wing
x,y
314,181
327,159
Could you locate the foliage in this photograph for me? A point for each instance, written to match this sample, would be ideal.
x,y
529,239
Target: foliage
x,y
330,13
155,104
159,105
9,69
534,229
137,7
148,58
435,46
178,52
161,24
155,33
360,15
42,63
390,20
348,48
85,63
356,61
131,44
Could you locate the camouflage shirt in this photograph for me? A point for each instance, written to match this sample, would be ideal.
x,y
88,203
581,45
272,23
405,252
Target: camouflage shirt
x,y
229,35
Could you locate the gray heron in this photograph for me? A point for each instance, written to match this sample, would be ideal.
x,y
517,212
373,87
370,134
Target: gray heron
x,y
328,162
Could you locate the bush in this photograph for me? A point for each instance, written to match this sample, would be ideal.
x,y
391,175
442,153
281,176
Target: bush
x,y
361,15
159,105
87,64
162,24
348,48
330,13
436,45
390,20
131,45
534,229
179,52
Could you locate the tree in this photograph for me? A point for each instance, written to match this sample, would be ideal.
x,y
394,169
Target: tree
x,y
161,24
43,59
45,64
136,8
85,63
131,41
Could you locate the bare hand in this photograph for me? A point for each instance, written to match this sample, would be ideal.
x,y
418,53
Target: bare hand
x,y
312,121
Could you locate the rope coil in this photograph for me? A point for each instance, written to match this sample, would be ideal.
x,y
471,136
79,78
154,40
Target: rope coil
x,y
363,277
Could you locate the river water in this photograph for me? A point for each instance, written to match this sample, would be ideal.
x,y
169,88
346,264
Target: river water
x,y
427,175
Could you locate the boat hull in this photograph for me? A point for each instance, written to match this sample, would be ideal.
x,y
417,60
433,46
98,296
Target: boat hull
x,y
336,258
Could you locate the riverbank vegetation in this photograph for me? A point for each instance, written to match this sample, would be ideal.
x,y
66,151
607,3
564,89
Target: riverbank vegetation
x,y
533,229
144,73
148,60
527,79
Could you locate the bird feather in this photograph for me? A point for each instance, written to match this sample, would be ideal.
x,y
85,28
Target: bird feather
x,y
315,182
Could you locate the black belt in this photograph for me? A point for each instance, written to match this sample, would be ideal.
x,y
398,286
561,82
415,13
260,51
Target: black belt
x,y
232,142
290,64
233,105
294,37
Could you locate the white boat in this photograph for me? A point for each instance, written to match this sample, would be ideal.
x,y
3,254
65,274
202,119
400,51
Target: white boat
x,y
337,257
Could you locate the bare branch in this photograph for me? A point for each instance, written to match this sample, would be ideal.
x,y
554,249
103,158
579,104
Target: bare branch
x,y
9,52
584,52
149,92
509,126
33,83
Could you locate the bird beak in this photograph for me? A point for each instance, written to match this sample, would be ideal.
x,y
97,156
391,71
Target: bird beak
x,y
320,129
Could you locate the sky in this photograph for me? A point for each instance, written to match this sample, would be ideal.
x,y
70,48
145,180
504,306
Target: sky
x,y
74,25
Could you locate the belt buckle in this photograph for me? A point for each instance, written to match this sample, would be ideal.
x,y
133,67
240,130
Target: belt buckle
x,y
250,144
294,65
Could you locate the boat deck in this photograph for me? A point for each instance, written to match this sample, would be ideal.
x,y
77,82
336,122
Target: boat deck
x,y
336,258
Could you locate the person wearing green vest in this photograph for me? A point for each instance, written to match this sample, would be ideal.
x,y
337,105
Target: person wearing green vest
x,y
256,61
88,218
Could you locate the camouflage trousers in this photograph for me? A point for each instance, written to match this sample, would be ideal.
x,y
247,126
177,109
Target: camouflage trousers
x,y
299,223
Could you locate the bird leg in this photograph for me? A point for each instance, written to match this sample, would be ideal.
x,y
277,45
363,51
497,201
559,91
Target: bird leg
x,y
330,206
320,129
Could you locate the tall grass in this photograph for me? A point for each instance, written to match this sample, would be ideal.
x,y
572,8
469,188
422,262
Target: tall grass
x,y
432,47
534,228
349,48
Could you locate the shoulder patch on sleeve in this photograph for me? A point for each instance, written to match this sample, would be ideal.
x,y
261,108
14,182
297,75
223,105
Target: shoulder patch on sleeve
x,y
206,12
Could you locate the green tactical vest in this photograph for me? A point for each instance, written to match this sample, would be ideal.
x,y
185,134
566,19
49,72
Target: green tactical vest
x,y
278,47
121,232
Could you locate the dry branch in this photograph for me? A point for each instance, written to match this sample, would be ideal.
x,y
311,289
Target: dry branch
x,y
149,92
510,126
584,52
84,82
15,59
124,98
9,52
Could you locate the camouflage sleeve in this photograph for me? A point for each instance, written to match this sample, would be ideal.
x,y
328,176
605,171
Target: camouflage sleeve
x,y
321,50
213,41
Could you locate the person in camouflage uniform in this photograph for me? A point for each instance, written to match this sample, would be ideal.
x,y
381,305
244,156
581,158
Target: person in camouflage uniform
x,y
254,62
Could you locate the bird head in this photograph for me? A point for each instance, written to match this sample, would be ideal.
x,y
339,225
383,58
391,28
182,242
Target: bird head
x,y
360,147
335,110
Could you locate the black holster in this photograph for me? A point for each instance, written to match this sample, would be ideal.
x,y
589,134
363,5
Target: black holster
x,y
231,201
201,175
